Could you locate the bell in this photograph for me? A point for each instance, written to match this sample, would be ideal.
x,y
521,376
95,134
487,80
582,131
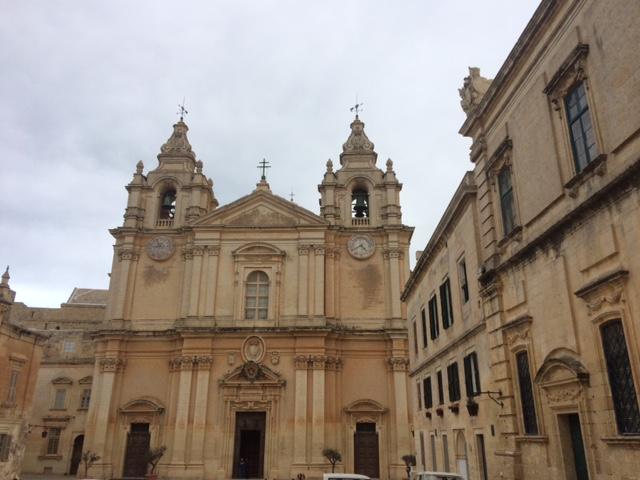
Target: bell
x,y
360,208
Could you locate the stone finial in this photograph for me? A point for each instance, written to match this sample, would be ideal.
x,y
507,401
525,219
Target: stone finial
x,y
178,144
329,166
473,89
199,166
210,182
357,141
139,167
389,165
5,278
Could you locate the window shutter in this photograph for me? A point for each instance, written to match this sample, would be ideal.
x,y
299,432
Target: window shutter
x,y
467,376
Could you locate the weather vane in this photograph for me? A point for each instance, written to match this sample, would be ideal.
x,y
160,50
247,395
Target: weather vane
x,y
263,165
182,111
357,107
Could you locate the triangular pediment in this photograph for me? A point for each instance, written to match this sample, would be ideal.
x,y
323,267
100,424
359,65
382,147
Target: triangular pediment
x,y
261,209
252,373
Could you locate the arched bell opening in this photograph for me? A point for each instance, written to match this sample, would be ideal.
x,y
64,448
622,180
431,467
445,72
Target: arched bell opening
x,y
168,204
360,203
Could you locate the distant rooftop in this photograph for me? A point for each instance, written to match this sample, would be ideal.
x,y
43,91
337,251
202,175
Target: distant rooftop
x,y
88,296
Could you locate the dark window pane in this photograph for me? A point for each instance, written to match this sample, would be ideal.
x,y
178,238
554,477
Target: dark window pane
x,y
428,392
623,392
440,389
433,317
424,327
453,379
583,140
506,200
526,394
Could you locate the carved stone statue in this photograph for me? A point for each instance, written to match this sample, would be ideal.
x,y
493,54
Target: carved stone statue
x,y
473,89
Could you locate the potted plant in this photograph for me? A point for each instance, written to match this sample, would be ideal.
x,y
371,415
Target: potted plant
x,y
333,455
89,458
409,461
153,457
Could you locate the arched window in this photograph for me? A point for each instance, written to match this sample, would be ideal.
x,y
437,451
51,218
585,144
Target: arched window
x,y
256,305
168,205
623,391
360,203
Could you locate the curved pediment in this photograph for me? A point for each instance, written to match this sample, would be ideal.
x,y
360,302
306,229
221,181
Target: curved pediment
x,y
258,248
252,373
88,380
62,381
142,405
561,365
365,405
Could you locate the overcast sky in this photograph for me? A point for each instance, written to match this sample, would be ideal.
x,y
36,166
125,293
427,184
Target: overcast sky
x,y
88,88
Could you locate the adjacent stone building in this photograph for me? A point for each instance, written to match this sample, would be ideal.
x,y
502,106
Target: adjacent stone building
x,y
20,354
257,331
556,154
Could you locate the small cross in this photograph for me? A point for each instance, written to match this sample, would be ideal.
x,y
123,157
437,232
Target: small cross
x,y
182,111
357,107
263,165
291,195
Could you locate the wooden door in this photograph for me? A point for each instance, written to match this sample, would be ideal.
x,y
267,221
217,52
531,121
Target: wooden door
x,y
249,445
76,454
135,462
366,456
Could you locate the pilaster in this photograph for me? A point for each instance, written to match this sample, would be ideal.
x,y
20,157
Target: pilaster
x,y
203,368
318,363
300,420
184,365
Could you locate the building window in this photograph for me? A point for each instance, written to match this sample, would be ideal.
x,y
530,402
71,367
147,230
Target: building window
x,y
445,304
445,452
623,392
13,387
5,445
433,317
453,379
583,139
506,200
53,442
428,392
168,205
464,284
434,459
440,389
85,398
423,316
69,346
360,203
59,400
419,396
415,337
256,304
526,394
472,375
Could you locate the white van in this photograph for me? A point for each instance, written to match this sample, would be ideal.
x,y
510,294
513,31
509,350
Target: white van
x,y
344,476
437,476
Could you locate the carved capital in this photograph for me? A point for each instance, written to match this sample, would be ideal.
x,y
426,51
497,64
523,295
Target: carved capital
x,y
213,250
319,251
128,254
187,253
204,362
198,251
303,249
398,364
318,362
388,253
110,364
182,362
301,362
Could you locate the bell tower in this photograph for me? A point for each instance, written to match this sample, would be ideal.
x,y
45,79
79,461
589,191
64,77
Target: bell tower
x,y
359,194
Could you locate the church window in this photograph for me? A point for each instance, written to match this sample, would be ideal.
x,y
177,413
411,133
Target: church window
x,y
53,442
445,303
168,205
5,445
415,337
526,394
583,139
453,379
59,399
419,396
433,317
360,203
257,296
472,375
428,392
623,392
440,388
85,398
423,315
506,200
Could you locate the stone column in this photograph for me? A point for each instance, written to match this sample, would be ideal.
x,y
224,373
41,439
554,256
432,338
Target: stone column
x,y
211,283
196,271
303,280
317,428
187,254
398,366
185,365
126,256
330,310
395,281
318,310
300,421
203,367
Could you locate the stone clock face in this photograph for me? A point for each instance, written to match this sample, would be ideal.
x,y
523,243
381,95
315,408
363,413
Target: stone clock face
x,y
361,246
160,248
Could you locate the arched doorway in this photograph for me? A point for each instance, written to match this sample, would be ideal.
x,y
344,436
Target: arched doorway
x,y
76,454
461,455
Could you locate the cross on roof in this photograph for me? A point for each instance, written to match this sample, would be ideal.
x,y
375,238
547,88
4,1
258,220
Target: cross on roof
x,y
357,107
263,165
181,110
291,195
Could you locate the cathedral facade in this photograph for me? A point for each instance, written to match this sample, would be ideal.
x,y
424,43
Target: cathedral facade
x,y
247,338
